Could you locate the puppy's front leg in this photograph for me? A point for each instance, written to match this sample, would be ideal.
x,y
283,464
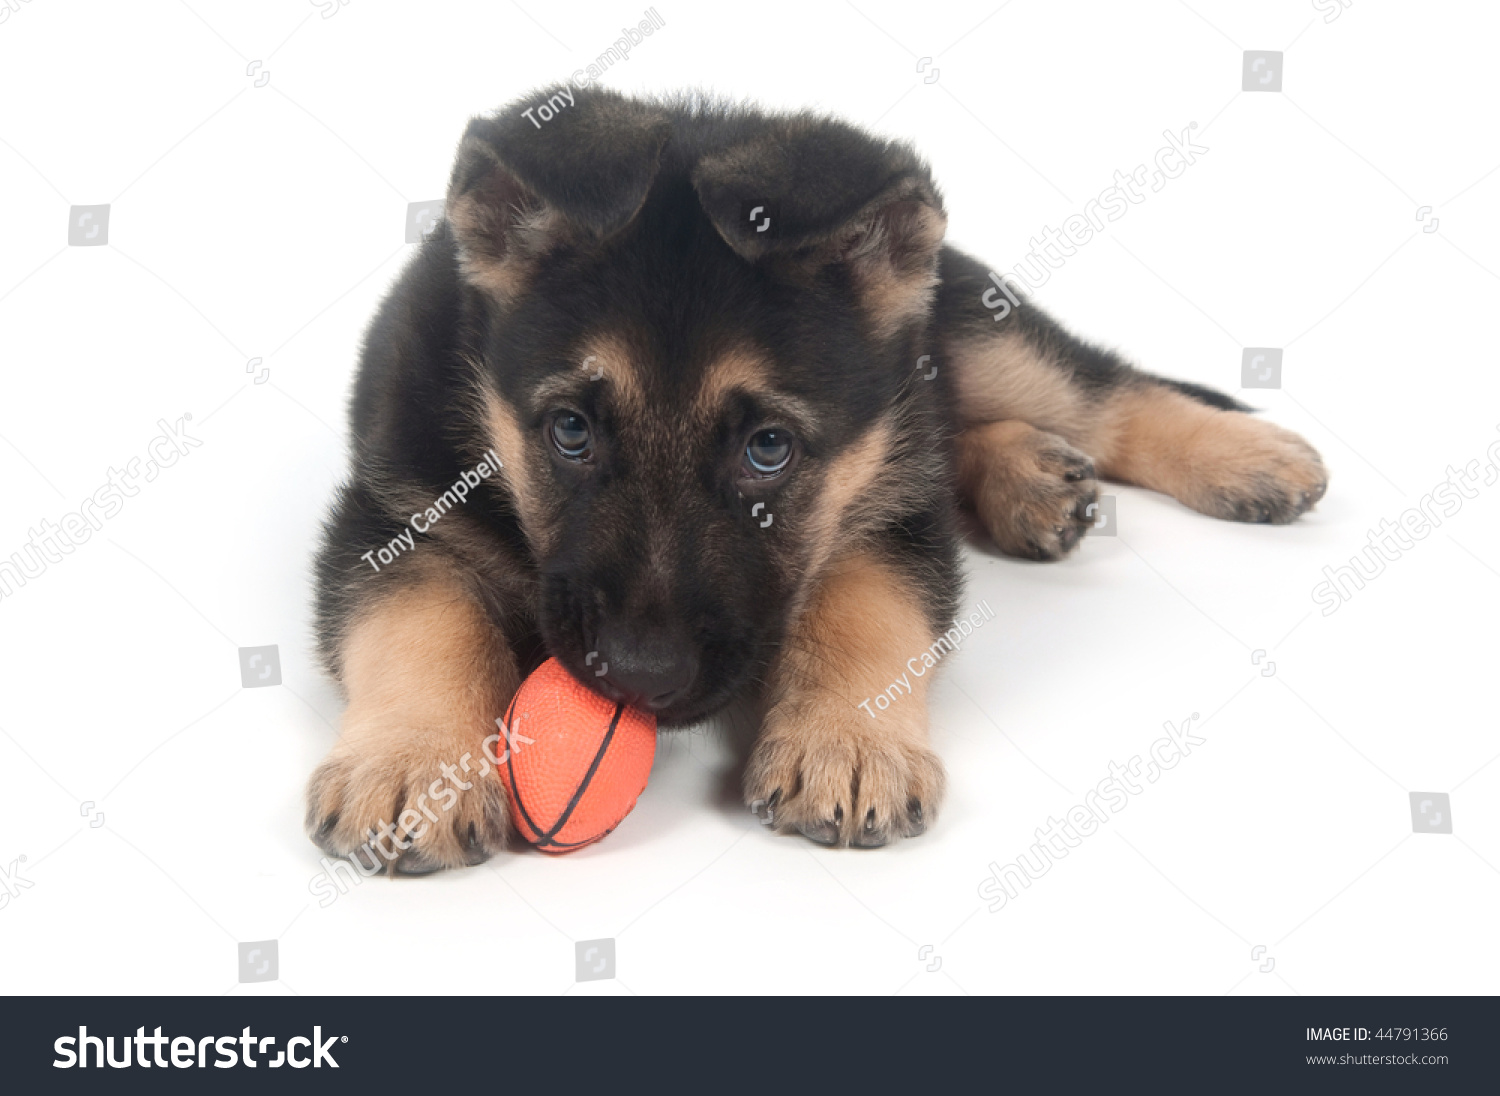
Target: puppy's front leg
x,y
408,787
830,762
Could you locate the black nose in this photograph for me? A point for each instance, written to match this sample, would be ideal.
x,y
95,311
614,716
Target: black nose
x,y
643,664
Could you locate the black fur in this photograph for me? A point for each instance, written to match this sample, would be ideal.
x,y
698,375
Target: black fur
x,y
1093,372
618,227
647,193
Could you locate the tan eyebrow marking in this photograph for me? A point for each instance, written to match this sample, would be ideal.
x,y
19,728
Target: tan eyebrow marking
x,y
607,360
738,369
744,370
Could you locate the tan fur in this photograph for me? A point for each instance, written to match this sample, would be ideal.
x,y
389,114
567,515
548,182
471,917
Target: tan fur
x,y
1223,463
740,369
745,369
1001,377
614,362
516,457
427,674
845,776
1030,489
850,485
494,254
900,292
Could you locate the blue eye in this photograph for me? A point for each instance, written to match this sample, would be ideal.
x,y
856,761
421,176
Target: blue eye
x,y
571,435
769,452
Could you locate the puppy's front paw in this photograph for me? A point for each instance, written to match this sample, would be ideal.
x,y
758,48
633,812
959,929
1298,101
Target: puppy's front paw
x,y
1253,470
411,802
839,782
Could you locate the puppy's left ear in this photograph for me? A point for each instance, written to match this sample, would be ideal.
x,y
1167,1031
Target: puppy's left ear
x,y
840,202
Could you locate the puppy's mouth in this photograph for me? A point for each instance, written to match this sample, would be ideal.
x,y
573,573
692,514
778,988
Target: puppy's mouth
x,y
680,664
676,695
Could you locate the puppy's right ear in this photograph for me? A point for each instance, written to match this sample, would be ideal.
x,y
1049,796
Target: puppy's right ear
x,y
522,187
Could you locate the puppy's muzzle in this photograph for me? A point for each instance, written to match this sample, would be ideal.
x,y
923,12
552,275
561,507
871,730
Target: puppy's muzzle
x,y
644,664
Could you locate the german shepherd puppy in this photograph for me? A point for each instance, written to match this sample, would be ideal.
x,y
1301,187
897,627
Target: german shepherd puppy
x,y
737,389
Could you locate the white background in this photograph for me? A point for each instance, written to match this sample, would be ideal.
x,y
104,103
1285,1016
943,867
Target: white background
x,y
267,221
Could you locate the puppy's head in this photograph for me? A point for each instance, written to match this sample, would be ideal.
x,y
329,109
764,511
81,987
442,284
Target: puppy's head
x,y
696,410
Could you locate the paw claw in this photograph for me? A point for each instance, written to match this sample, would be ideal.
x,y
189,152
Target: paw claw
x,y
872,835
324,829
916,823
413,862
821,833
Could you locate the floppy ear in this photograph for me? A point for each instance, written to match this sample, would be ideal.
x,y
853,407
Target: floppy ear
x,y
521,186
839,200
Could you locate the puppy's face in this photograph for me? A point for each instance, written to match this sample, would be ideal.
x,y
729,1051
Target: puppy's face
x,y
683,460
687,432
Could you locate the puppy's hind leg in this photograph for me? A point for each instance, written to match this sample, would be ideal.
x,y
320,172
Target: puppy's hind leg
x,y
1190,442
1221,462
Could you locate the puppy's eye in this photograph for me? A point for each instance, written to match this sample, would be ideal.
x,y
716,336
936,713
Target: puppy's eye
x,y
571,435
768,452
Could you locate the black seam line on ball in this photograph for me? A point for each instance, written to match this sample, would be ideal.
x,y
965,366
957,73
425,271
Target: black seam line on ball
x,y
583,786
510,766
549,843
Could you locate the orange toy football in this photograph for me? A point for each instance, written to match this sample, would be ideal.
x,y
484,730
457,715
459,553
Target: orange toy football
x,y
577,761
